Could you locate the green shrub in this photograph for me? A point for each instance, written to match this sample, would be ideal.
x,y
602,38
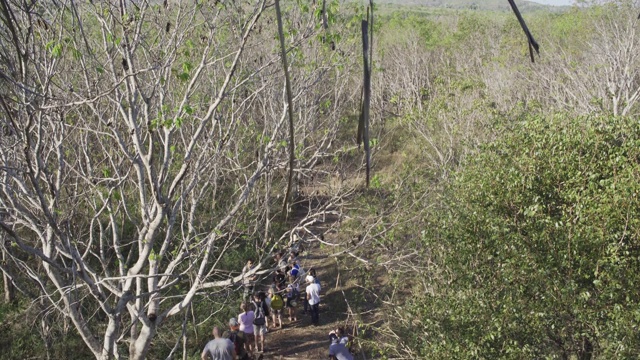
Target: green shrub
x,y
540,241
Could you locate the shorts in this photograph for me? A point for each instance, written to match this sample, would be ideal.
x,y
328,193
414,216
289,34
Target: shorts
x,y
289,302
259,329
249,338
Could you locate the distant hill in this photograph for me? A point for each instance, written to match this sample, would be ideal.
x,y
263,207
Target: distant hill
x,y
493,5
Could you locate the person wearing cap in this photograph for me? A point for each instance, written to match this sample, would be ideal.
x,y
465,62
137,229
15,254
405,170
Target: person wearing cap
x,y
219,348
238,339
312,272
313,297
337,350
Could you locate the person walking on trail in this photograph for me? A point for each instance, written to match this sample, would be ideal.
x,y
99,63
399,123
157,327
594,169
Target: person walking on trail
x,y
279,280
312,272
313,297
296,270
245,319
248,281
282,262
276,304
292,300
337,350
238,339
259,323
293,257
219,348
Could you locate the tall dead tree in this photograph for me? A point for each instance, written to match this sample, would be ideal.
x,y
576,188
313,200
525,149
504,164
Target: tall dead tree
x,y
292,148
363,125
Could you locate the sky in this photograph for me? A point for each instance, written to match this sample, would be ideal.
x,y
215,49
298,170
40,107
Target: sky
x,y
554,2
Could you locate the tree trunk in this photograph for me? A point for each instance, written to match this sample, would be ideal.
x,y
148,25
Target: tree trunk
x,y
140,348
9,290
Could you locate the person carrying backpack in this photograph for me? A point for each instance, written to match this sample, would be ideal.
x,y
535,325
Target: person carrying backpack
x,y
238,339
292,300
295,270
259,323
276,303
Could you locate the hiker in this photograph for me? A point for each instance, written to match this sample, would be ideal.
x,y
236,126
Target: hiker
x,y
219,348
246,326
280,280
295,270
281,262
276,303
342,337
292,299
248,281
312,272
337,350
238,338
259,323
313,297
295,244
293,257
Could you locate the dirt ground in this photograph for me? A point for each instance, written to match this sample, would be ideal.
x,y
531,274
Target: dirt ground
x,y
300,339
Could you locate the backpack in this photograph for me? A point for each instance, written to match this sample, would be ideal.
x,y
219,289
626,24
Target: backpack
x,y
260,313
238,343
276,302
295,271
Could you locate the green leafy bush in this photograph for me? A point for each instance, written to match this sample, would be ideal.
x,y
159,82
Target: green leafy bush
x,y
538,247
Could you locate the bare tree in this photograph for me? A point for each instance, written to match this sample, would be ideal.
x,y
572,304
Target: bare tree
x,y
130,158
598,71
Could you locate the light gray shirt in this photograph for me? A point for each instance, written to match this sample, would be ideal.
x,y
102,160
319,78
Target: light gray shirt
x,y
219,349
340,352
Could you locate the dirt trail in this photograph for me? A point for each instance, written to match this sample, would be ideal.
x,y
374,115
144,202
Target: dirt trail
x,y
300,339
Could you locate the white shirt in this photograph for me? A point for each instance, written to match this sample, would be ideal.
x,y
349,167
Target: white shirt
x,y
313,292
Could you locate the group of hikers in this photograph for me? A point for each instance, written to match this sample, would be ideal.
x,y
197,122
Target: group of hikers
x,y
246,335
231,345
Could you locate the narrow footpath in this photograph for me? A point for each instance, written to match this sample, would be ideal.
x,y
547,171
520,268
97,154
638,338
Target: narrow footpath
x,y
300,339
